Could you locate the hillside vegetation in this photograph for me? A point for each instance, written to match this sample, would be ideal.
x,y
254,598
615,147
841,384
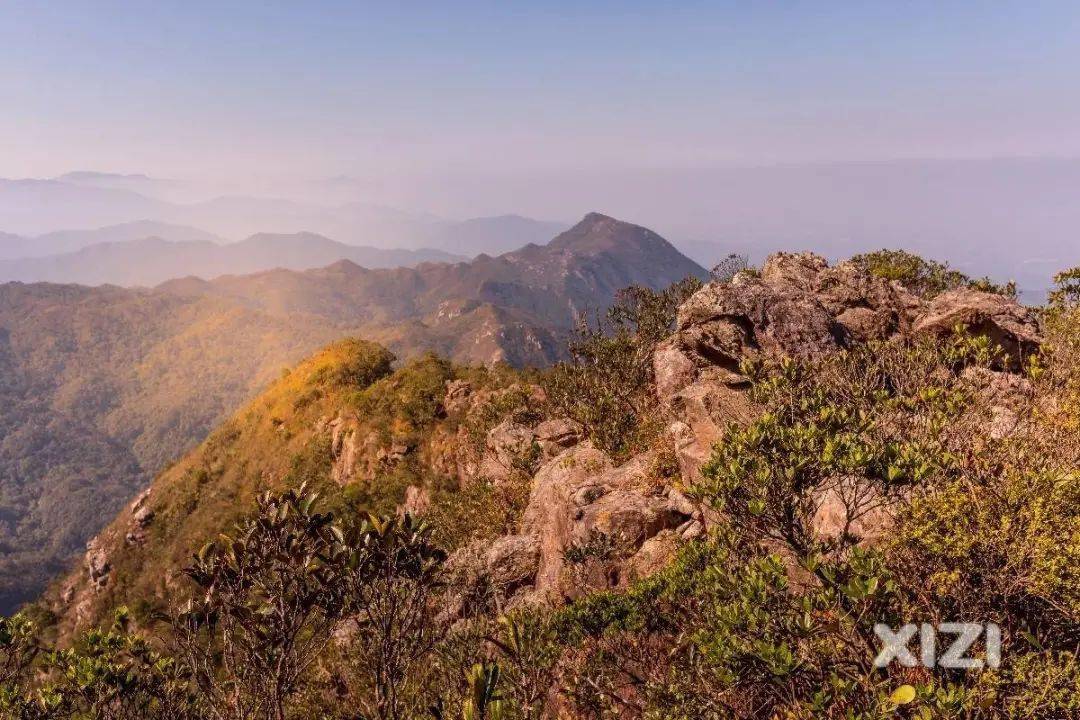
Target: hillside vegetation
x,y
784,458
102,387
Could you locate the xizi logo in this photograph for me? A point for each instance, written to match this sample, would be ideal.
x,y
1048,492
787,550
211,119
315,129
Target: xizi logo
x,y
895,645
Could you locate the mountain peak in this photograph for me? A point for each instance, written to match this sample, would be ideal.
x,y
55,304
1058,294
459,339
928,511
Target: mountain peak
x,y
597,233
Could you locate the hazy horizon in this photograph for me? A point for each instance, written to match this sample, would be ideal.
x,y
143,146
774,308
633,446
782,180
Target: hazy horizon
x,y
835,127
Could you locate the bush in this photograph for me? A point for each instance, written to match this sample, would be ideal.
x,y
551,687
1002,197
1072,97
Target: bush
x,y
607,386
925,278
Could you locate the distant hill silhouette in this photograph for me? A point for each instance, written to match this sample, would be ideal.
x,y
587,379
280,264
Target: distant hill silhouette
x,y
152,260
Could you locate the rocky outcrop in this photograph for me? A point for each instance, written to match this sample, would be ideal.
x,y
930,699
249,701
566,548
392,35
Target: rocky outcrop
x,y
796,306
1009,325
142,514
587,512
345,448
511,445
590,524
98,566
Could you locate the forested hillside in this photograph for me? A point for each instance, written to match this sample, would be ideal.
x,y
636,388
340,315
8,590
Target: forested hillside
x,y
105,386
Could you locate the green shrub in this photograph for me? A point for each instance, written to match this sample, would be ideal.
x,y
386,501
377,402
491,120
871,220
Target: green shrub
x,y
925,278
607,386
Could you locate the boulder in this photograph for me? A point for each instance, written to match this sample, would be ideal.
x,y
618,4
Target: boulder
x,y
551,510
557,435
653,556
862,515
627,518
1006,322
605,514
778,312
512,561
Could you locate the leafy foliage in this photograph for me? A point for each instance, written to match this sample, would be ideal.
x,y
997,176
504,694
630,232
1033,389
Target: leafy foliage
x,y
272,595
607,384
925,278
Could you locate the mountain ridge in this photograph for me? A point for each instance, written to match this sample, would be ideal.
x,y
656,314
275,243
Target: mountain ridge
x,y
154,369
152,260
35,207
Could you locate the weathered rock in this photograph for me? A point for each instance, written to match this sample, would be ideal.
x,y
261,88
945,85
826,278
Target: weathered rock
x,y
798,306
866,306
653,556
606,513
1009,396
691,529
140,500
627,518
512,561
143,516
705,409
97,564
417,500
488,575
557,435
1007,323
863,324
682,504
777,312
797,270
862,516
504,445
551,511
345,447
673,370
457,395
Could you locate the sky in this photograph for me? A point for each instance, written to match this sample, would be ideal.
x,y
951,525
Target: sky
x,y
246,90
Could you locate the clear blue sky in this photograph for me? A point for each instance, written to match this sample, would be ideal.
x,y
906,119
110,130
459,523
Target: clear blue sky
x,y
241,88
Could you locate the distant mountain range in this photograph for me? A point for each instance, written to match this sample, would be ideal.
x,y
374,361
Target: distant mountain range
x,y
152,260
62,242
542,286
103,386
41,211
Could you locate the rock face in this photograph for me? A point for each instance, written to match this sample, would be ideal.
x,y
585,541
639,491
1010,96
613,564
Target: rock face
x,y
586,524
797,306
1009,325
97,565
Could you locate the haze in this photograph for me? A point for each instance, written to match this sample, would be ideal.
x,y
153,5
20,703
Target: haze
x,y
945,127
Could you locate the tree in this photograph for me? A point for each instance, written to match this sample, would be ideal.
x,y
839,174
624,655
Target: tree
x,y
272,597
393,572
17,649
